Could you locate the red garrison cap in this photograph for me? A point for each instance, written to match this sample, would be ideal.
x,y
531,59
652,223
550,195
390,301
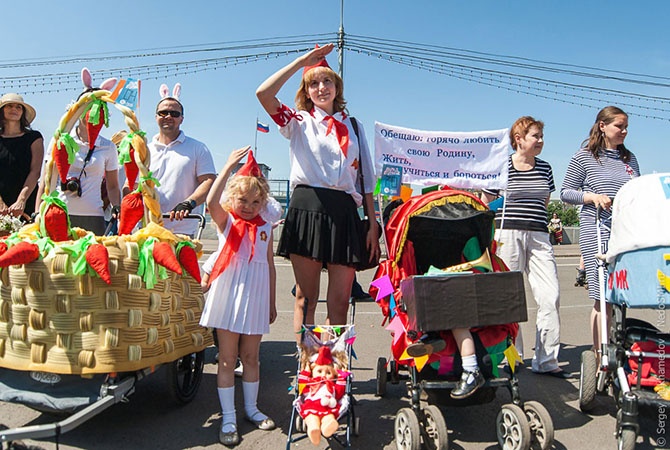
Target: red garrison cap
x,y
250,168
325,358
322,63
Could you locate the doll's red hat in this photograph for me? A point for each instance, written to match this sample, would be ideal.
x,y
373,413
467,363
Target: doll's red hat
x,y
322,63
250,168
325,358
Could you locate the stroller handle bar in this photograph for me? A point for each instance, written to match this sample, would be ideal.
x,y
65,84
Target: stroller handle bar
x,y
201,224
199,217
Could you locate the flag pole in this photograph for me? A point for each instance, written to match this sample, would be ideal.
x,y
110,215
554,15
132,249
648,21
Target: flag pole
x,y
340,42
256,138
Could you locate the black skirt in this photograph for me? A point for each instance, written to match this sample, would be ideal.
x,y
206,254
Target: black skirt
x,y
322,224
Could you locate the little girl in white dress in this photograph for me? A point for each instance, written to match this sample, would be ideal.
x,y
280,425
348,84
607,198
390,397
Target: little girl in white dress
x,y
241,300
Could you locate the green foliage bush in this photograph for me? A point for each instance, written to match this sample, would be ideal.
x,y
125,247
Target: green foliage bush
x,y
568,214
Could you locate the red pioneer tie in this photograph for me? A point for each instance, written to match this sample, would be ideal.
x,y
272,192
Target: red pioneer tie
x,y
239,228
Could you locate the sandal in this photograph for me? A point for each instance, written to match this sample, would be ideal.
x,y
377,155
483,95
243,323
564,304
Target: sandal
x,y
264,424
229,439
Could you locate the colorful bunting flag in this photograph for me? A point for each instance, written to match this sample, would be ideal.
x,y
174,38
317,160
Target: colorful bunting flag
x,y
396,328
512,357
384,287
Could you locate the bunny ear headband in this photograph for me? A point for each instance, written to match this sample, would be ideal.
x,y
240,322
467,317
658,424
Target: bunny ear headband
x,y
164,91
87,81
165,94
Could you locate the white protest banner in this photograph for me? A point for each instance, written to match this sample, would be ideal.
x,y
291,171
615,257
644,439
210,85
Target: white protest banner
x,y
465,160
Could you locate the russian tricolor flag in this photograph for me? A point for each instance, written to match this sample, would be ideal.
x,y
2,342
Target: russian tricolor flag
x,y
262,127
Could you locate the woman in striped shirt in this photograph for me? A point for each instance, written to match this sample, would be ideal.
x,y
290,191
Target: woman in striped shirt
x,y
594,176
522,232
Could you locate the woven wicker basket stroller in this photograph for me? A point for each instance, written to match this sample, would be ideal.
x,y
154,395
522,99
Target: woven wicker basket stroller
x,y
55,325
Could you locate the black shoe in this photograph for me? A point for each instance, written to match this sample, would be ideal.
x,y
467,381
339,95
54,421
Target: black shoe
x,y
468,384
426,346
561,374
362,297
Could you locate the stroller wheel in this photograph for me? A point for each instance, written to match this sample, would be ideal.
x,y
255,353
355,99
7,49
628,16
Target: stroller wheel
x,y
407,430
393,370
541,425
381,377
184,376
512,428
587,381
581,278
437,434
627,438
357,426
299,424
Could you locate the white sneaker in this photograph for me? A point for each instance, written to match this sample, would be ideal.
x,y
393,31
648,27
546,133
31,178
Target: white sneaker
x,y
239,369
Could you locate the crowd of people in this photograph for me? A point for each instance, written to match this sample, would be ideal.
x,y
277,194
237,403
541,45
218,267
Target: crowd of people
x,y
322,228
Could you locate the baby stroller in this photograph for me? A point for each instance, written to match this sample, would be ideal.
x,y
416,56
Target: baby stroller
x,y
638,262
441,229
324,345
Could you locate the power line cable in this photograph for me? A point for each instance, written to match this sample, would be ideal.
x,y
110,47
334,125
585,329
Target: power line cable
x,y
167,51
479,67
554,95
500,59
511,74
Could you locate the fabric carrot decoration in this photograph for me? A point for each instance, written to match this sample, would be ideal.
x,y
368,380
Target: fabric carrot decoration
x,y
164,256
189,259
63,154
96,115
132,210
55,221
97,257
21,253
3,247
127,158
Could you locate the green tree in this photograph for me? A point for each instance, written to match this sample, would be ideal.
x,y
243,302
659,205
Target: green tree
x,y
567,213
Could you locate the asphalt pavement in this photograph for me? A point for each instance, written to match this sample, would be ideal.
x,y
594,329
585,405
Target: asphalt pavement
x,y
150,419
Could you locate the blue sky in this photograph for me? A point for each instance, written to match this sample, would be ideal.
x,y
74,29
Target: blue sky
x,y
221,108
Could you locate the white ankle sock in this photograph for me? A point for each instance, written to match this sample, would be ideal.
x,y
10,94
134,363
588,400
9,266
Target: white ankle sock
x,y
470,363
250,389
227,400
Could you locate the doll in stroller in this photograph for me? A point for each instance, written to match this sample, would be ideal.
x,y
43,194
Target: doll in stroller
x,y
321,400
323,386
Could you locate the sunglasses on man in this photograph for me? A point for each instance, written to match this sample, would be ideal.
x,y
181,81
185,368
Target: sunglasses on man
x,y
175,114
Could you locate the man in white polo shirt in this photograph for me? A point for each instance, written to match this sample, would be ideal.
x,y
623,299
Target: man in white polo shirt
x,y
183,166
